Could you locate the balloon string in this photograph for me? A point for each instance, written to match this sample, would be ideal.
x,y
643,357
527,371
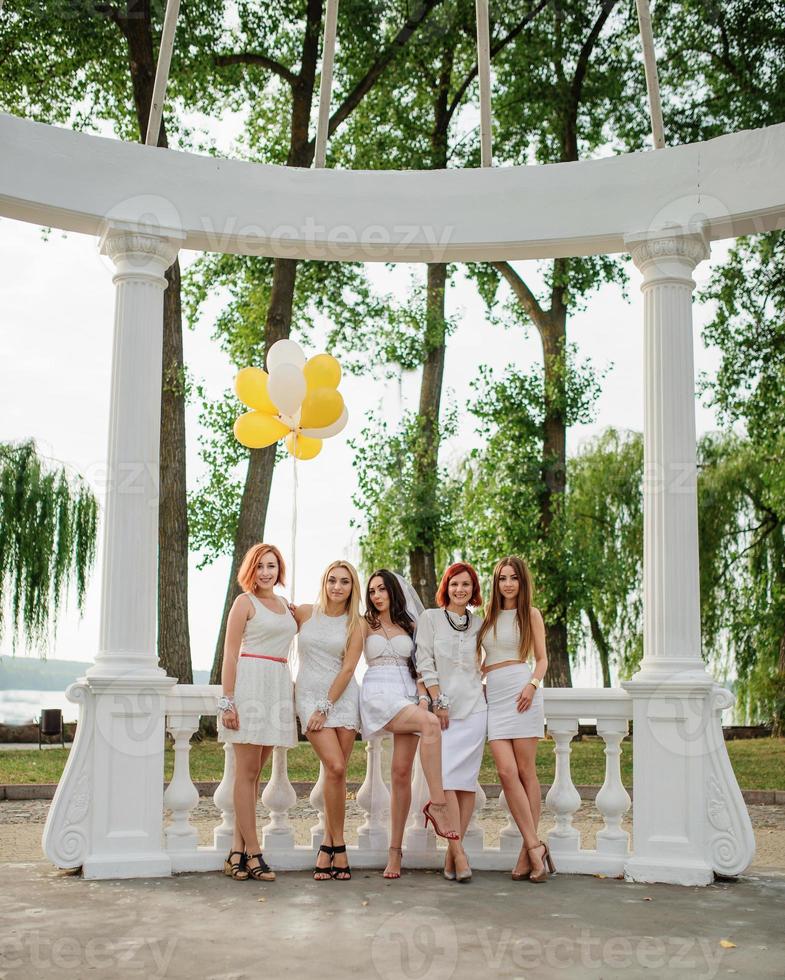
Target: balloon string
x,y
294,513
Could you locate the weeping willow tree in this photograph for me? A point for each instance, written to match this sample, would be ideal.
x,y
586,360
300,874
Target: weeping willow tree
x,y
48,525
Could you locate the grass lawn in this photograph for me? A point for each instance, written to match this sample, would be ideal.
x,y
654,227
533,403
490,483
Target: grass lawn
x,y
759,763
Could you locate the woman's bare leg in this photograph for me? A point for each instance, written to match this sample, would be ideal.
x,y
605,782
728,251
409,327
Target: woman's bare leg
x,y
331,755
525,750
465,803
517,801
404,751
247,763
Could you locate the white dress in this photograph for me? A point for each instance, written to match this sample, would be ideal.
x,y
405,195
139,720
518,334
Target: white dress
x,y
263,690
503,685
388,685
448,657
321,648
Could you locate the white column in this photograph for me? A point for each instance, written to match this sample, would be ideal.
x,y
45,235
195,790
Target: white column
x,y
224,802
613,800
374,798
676,753
181,796
117,760
279,797
563,798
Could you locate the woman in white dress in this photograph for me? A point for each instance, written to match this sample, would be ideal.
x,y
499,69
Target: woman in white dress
x,y
448,665
256,709
328,699
389,702
511,633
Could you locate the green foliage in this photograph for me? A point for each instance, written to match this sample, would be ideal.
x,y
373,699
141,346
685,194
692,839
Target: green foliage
x,y
48,526
401,511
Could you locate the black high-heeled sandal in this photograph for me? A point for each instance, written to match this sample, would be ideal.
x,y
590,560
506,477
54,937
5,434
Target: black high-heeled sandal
x,y
341,874
328,871
236,869
262,871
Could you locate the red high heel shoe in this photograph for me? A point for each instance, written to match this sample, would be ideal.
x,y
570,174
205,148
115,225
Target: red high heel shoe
x,y
451,835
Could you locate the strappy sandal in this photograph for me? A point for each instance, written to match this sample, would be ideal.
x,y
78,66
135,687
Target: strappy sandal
x,y
341,874
262,872
236,869
547,864
327,872
393,874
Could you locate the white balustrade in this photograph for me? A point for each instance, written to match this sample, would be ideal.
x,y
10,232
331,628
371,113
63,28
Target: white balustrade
x,y
613,800
419,841
563,798
374,799
510,840
223,798
181,796
473,839
279,797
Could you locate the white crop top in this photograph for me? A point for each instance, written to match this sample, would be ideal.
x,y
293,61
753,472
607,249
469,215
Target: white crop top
x,y
501,643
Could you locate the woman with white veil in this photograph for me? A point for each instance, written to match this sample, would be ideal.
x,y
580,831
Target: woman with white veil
x,y
389,701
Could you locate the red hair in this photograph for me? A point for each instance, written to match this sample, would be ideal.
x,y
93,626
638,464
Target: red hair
x,y
442,596
246,576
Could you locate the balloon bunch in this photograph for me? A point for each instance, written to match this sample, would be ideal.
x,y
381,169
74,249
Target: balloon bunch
x,y
295,399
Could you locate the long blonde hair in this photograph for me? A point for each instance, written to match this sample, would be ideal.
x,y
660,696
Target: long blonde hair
x,y
522,608
352,609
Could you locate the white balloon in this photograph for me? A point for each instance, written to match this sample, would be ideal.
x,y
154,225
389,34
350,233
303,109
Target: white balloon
x,y
285,352
287,388
328,430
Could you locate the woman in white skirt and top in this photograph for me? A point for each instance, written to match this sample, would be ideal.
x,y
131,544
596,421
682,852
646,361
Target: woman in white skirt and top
x,y
256,709
389,702
448,665
327,698
511,633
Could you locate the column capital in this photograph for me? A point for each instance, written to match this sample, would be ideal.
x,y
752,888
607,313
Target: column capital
x,y
668,253
139,251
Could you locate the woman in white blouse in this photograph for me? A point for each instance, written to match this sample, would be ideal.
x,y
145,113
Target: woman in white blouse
x,y
511,633
448,666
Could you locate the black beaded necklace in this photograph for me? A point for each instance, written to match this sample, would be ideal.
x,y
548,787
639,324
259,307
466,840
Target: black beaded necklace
x,y
461,627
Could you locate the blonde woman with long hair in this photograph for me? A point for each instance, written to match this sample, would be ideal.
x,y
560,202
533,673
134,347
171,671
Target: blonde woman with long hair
x,y
511,634
328,699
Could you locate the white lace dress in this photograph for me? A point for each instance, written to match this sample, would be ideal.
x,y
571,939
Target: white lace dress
x,y
388,685
321,647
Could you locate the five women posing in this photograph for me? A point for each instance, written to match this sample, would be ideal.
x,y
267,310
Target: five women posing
x,y
423,684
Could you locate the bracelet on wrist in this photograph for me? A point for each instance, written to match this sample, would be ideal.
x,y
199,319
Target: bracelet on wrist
x,y
225,703
442,702
535,682
423,697
324,706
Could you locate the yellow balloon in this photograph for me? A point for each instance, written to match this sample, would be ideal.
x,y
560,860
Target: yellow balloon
x,y
322,371
257,430
250,386
321,407
306,447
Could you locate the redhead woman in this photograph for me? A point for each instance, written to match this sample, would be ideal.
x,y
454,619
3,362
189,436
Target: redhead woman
x,y
389,702
448,665
257,706
511,634
328,699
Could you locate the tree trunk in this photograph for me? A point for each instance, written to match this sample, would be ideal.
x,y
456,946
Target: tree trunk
x,y
174,645
259,477
778,712
553,332
602,646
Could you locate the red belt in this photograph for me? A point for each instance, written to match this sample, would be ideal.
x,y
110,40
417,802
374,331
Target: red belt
x,y
261,656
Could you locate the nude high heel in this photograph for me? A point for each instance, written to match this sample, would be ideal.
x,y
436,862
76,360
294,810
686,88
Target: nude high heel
x,y
547,864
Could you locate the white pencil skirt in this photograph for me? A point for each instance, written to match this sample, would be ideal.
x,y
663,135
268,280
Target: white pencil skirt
x,y
462,745
502,688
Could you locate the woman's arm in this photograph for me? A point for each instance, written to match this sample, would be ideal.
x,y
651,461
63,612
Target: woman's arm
x,y
302,614
235,627
426,664
351,658
540,660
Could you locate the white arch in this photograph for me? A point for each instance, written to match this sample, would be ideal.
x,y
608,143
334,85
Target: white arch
x,y
731,185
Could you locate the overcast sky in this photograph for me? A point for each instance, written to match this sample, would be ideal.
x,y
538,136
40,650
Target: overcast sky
x,y
56,298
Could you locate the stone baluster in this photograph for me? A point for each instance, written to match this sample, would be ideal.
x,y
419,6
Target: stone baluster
x,y
474,837
224,802
563,798
317,802
374,799
510,840
279,797
416,838
613,800
181,796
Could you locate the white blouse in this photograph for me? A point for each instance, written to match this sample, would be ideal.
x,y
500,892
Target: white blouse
x,y
448,657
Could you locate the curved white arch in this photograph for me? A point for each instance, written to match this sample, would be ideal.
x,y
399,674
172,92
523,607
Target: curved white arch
x,y
731,185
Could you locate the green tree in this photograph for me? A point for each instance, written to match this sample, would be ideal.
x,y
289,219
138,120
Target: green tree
x,y
48,528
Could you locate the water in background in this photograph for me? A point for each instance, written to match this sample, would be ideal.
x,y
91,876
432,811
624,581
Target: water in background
x,y
22,707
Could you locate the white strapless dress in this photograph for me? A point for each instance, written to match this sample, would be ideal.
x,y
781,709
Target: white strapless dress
x,y
388,686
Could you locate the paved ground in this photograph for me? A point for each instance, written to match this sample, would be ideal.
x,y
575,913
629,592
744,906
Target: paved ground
x,y
419,928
